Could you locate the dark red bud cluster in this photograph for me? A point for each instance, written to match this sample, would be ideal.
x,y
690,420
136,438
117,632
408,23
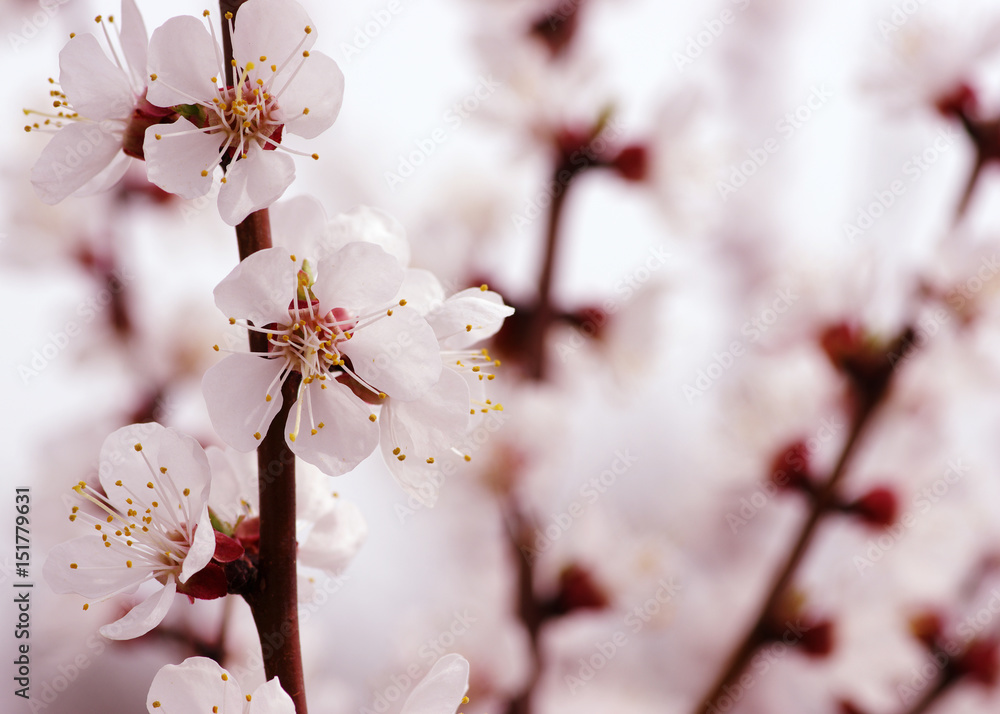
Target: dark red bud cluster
x,y
790,469
877,508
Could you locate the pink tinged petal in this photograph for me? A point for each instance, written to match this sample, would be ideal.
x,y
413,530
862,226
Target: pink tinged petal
x,y
182,55
182,456
135,41
99,571
234,483
468,317
442,690
299,225
260,288
202,548
195,685
254,183
107,177
357,277
422,291
75,155
347,437
396,354
273,28
234,392
175,162
371,225
335,539
426,428
95,86
270,698
319,87
143,617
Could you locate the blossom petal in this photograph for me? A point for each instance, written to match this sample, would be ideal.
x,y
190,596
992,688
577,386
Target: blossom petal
x,y
270,698
254,182
143,617
126,471
397,354
175,162
74,156
202,548
135,41
335,539
442,690
425,428
317,87
184,58
357,277
259,288
195,685
95,86
275,29
100,571
422,291
234,392
299,225
371,225
106,177
234,484
347,436
468,317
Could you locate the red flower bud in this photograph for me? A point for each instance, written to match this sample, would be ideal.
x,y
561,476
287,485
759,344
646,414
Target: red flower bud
x,y
877,507
632,163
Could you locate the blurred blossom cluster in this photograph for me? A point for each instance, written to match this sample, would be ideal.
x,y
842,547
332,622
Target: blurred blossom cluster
x,y
634,356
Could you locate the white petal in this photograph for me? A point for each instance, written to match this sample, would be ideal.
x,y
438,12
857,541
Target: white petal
x,y
273,28
234,392
234,483
143,617
468,317
299,225
398,355
135,41
347,438
74,156
100,571
195,685
357,277
260,288
318,87
371,225
107,177
425,428
202,548
422,291
442,690
254,183
182,456
335,539
270,698
182,55
175,162
94,85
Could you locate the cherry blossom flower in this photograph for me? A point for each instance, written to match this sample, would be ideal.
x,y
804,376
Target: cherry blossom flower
x,y
199,684
280,86
100,113
442,690
333,321
150,522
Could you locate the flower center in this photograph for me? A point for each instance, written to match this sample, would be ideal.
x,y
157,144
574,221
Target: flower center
x,y
247,113
310,341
